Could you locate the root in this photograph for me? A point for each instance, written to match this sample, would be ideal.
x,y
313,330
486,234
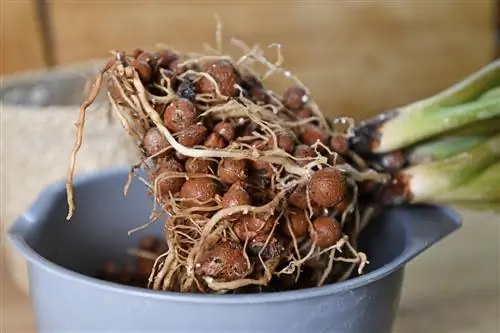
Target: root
x,y
94,92
194,226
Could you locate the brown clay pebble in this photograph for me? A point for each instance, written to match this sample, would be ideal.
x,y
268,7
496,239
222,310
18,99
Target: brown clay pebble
x,y
328,187
326,232
198,191
225,129
165,57
303,113
215,141
179,114
342,206
143,267
336,159
127,275
296,221
339,144
298,198
177,67
249,128
149,58
305,153
236,196
169,185
199,165
313,134
368,187
263,169
109,271
192,135
143,69
148,243
249,226
286,141
231,170
162,247
154,142
137,52
225,261
295,97
267,248
250,81
224,74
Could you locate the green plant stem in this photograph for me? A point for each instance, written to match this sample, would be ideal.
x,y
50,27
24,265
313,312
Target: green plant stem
x,y
484,187
441,148
410,128
425,182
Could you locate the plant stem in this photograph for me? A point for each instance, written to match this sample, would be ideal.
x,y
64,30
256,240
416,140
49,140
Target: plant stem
x,y
466,90
382,134
407,129
441,148
484,187
427,181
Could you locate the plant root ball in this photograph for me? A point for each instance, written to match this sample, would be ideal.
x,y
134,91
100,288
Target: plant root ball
x,y
225,130
328,187
326,232
165,186
296,224
232,170
193,135
267,249
198,191
236,196
250,226
180,114
224,74
199,165
154,142
295,97
225,261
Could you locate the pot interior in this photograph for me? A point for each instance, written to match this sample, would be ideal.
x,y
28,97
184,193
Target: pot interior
x,y
98,231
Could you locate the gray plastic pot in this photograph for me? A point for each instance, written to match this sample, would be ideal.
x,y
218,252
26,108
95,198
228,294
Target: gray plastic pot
x,y
62,254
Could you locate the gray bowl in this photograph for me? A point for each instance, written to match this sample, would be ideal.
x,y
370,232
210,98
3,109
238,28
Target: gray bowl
x,y
61,255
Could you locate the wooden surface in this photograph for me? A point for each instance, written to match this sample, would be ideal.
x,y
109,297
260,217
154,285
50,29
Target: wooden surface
x,y
452,288
20,43
358,57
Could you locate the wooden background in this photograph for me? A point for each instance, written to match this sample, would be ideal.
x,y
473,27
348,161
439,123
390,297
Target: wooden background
x,y
358,57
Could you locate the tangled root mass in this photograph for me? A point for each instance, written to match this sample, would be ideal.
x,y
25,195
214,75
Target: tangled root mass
x,y
261,190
